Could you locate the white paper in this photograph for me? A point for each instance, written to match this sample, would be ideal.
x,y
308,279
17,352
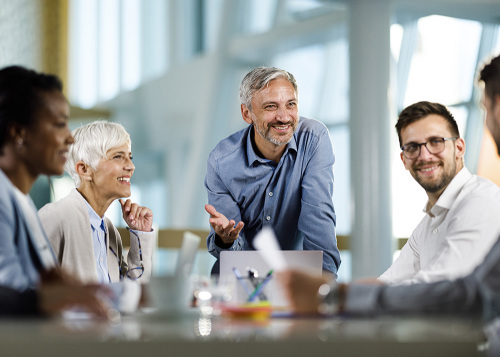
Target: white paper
x,y
187,253
267,244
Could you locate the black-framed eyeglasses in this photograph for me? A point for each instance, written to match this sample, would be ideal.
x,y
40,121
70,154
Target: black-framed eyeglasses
x,y
434,145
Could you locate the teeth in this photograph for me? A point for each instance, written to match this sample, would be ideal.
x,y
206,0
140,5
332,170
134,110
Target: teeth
x,y
126,179
428,169
281,127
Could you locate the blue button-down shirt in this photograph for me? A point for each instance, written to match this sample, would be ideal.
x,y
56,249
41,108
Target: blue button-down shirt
x,y
99,244
294,196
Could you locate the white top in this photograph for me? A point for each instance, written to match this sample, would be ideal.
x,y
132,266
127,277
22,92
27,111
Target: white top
x,y
454,236
47,258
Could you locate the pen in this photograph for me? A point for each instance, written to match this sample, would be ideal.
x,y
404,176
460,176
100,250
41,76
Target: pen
x,y
261,286
241,280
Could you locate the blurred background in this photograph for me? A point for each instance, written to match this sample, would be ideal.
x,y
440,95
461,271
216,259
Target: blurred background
x,y
169,71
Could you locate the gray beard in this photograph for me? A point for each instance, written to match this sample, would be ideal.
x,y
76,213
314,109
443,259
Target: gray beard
x,y
265,135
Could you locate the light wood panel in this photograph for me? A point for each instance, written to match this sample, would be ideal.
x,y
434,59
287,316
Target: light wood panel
x,y
54,37
172,238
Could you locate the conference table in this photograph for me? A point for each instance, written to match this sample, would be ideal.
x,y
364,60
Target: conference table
x,y
190,334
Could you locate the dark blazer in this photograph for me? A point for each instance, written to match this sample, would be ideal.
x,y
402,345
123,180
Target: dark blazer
x,y
14,303
477,294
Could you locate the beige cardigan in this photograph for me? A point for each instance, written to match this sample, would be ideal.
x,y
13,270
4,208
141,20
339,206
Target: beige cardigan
x,y
67,224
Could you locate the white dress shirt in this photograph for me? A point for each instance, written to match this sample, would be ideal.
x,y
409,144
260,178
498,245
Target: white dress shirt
x,y
453,237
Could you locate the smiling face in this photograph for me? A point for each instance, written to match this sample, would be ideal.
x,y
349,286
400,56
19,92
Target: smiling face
x,y
111,180
433,171
48,139
274,115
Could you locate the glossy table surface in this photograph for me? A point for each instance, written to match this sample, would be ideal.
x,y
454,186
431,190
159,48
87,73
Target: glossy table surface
x,y
152,334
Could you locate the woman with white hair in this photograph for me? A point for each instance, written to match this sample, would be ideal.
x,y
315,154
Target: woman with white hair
x,y
84,240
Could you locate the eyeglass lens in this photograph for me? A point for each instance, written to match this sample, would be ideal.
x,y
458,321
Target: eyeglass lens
x,y
434,146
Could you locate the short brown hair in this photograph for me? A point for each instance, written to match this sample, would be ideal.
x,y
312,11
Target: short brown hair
x,y
419,111
490,75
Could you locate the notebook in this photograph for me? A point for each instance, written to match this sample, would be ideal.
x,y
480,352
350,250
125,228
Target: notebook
x,y
310,260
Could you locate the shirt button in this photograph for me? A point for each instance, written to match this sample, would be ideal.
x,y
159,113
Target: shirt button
x,y
268,218
270,194
435,231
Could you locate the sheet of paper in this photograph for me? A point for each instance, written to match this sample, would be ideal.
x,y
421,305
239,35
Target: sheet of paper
x,y
267,244
187,253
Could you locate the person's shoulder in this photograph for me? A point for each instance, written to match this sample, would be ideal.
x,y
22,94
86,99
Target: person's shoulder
x,y
65,205
310,132
311,125
482,186
7,200
6,189
231,144
479,194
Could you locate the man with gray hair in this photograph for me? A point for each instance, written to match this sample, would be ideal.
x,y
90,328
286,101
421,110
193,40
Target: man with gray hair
x,y
277,172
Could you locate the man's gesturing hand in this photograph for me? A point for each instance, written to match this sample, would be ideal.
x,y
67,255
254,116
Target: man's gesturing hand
x,y
224,228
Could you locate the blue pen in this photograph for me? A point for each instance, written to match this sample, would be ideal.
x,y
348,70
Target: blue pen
x,y
261,286
241,280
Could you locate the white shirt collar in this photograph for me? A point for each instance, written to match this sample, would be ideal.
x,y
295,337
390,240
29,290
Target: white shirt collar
x,y
449,195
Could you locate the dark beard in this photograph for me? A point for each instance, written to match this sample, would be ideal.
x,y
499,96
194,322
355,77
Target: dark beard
x,y
433,187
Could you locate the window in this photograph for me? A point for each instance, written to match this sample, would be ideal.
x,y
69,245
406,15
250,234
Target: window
x,y
442,70
115,45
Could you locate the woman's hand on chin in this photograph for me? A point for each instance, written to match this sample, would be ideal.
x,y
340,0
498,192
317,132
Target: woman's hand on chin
x,y
137,217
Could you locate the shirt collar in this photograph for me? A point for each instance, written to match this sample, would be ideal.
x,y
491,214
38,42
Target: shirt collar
x,y
449,195
252,155
95,221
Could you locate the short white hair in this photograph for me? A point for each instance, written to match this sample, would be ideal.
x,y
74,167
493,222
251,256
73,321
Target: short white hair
x,y
92,142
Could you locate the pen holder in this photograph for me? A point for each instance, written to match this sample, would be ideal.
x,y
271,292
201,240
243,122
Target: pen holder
x,y
252,290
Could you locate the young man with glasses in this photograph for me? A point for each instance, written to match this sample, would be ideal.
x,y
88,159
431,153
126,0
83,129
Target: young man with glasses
x,y
478,293
462,212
